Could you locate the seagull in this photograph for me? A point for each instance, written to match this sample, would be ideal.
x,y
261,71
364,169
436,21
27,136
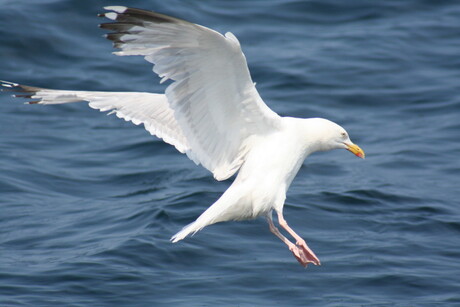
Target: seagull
x,y
212,112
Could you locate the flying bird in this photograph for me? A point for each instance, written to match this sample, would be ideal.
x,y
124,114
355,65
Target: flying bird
x,y
213,113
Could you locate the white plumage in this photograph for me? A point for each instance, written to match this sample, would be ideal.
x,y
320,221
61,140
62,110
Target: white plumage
x,y
213,113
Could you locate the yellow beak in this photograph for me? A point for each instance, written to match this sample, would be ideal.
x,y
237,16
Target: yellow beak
x,y
356,150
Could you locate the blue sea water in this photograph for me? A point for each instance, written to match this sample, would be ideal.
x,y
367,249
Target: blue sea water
x,y
89,202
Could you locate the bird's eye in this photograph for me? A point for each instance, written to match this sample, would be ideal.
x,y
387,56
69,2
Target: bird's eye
x,y
344,134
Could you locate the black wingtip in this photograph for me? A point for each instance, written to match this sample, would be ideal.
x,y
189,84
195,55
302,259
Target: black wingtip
x,y
125,18
115,37
8,85
29,91
18,88
118,26
134,15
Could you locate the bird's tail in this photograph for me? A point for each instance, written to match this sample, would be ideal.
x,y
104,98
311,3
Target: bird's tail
x,y
224,209
191,228
212,215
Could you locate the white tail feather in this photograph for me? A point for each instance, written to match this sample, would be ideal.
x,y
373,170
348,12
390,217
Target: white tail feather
x,y
230,206
191,228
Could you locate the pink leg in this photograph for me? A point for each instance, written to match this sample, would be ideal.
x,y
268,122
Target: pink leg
x,y
308,253
298,253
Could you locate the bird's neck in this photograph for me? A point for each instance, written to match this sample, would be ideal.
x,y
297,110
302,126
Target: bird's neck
x,y
308,133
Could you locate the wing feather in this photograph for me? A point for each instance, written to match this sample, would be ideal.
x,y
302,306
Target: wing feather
x,y
151,110
213,97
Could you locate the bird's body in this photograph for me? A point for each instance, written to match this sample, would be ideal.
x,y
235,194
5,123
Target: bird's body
x,y
213,113
263,180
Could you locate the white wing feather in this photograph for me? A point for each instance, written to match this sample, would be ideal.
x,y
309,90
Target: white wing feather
x,y
212,111
213,97
152,110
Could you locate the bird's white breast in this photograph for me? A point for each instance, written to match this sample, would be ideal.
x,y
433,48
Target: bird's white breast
x,y
270,167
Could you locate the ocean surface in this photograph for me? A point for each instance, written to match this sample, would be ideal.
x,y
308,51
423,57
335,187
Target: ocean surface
x,y
88,202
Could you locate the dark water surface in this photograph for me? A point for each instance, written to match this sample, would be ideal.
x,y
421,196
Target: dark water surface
x,y
88,202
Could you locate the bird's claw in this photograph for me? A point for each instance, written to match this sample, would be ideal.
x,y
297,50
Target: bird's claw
x,y
307,253
299,255
303,254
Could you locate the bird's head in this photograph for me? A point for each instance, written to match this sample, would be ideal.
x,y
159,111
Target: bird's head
x,y
330,136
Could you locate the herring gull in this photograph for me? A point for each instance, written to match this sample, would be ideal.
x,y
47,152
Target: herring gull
x,y
213,113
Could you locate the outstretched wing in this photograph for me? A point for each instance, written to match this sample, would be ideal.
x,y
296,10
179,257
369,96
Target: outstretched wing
x,y
213,97
152,110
